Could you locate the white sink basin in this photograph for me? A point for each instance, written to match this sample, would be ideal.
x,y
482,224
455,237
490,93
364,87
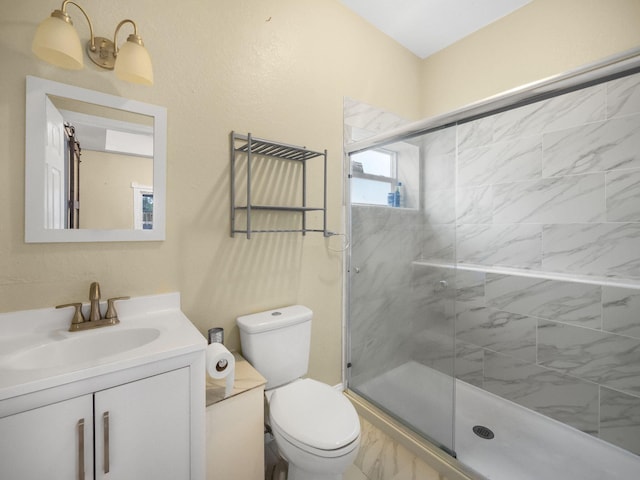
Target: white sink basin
x,y
38,353
81,347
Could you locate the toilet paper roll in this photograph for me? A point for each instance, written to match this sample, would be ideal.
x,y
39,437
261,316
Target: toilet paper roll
x,y
221,365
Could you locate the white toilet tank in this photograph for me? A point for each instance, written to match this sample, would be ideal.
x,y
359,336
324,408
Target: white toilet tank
x,y
276,343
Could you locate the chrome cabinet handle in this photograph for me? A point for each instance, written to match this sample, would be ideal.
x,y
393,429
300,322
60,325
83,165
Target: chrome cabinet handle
x,y
105,426
80,427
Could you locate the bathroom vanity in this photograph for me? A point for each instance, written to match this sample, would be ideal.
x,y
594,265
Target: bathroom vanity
x,y
118,402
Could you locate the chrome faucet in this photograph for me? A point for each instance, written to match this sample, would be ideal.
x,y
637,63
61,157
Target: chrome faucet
x,y
95,320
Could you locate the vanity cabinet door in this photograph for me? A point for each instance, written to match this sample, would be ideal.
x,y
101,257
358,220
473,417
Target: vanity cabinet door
x,y
143,429
51,442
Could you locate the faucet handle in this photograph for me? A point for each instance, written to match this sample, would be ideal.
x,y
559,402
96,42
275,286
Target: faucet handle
x,y
112,314
78,318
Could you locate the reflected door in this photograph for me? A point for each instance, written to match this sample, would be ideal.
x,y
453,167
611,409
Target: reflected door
x,y
54,169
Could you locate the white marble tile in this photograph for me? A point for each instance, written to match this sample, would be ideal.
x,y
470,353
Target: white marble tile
x,y
501,162
439,242
385,242
469,364
506,245
601,146
592,249
440,206
470,291
439,171
623,96
354,473
620,310
435,351
599,357
576,303
566,399
620,419
504,332
367,119
434,298
623,194
440,142
576,198
381,458
473,205
556,113
476,133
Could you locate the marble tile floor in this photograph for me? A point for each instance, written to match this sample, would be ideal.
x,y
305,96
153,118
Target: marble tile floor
x,y
379,458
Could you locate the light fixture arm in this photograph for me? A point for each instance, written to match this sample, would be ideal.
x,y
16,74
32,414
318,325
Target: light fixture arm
x,y
62,14
134,37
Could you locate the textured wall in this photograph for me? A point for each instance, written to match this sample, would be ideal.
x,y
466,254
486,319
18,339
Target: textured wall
x,y
276,68
539,40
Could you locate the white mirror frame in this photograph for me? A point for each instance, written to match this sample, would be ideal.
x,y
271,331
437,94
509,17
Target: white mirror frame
x,y
35,137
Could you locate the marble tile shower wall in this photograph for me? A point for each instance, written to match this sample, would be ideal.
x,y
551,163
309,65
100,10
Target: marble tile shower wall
x,y
548,187
384,241
552,187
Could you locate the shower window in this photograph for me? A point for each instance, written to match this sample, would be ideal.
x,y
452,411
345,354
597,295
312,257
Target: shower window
x,y
375,174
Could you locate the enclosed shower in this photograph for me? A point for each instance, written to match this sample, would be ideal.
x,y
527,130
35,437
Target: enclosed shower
x,y
496,313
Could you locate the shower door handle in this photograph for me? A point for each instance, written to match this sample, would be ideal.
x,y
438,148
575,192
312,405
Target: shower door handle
x,y
356,269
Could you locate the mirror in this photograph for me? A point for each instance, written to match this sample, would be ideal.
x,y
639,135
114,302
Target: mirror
x,y
95,166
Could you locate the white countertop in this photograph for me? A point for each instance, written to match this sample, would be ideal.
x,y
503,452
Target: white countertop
x,y
23,330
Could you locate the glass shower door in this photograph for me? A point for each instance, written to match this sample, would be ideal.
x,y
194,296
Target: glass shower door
x,y
402,284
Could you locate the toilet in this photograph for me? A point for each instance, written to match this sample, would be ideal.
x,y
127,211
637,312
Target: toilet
x,y
315,427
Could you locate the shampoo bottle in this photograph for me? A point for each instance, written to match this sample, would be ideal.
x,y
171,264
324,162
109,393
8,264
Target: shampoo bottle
x,y
399,196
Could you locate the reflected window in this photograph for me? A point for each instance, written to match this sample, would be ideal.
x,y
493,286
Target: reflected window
x,y
142,206
147,211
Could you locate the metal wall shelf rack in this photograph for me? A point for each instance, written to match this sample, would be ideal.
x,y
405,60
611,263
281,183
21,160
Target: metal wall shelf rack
x,y
256,149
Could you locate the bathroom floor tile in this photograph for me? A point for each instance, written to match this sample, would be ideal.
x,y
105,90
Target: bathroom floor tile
x,y
353,473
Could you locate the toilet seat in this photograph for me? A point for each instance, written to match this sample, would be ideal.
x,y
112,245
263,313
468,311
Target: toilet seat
x,y
315,417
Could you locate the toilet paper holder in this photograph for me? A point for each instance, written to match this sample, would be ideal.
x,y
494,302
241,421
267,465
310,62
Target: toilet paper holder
x,y
215,335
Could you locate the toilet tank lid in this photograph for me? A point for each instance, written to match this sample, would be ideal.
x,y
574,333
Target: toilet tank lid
x,y
274,319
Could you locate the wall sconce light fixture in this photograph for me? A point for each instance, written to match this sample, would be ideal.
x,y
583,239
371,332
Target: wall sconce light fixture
x,y
57,42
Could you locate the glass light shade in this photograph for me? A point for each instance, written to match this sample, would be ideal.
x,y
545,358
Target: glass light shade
x,y
57,42
133,64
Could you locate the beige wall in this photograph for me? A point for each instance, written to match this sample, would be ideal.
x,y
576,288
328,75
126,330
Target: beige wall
x,y
544,38
276,68
106,194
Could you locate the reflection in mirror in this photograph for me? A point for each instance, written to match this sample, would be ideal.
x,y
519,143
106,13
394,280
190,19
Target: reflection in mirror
x,y
105,157
95,166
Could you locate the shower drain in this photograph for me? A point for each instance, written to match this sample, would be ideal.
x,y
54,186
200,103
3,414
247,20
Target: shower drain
x,y
483,432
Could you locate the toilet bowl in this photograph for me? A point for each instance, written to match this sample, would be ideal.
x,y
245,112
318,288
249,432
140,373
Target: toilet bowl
x,y
316,429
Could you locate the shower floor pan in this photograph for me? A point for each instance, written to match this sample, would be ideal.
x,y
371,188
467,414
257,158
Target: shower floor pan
x,y
526,444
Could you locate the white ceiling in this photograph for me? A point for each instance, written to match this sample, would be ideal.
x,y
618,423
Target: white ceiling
x,y
426,26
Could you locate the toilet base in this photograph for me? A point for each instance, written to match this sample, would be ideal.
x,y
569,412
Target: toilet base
x,y
306,466
297,473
